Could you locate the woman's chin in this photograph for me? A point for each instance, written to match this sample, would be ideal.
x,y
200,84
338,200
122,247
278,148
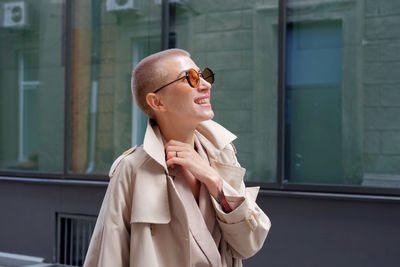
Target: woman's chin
x,y
208,115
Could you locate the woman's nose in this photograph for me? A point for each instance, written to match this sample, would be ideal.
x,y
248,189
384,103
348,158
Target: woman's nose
x,y
204,85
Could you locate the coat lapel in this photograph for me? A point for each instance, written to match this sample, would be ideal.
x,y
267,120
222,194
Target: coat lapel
x,y
197,224
150,196
216,139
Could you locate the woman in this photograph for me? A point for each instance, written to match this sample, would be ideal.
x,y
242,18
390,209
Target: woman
x,y
178,200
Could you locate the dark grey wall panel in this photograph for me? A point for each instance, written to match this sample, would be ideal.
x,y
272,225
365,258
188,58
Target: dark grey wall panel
x,y
329,232
305,231
28,214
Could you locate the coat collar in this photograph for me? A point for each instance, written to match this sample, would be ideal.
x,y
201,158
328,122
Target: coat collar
x,y
216,134
211,134
153,144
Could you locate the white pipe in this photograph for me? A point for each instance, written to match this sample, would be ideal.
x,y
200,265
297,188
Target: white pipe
x,y
21,108
92,126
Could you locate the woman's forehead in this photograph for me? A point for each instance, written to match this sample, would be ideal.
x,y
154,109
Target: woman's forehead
x,y
180,64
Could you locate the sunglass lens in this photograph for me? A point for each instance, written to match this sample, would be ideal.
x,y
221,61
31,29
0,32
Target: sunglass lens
x,y
193,78
208,75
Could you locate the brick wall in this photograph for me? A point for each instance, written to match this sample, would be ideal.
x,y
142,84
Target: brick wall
x,y
381,84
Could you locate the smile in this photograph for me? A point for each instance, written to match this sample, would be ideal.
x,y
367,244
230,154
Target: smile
x,y
202,101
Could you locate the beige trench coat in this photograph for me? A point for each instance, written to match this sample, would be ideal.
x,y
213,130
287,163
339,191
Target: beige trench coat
x,y
143,223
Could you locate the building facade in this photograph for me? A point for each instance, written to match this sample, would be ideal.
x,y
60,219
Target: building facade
x,y
310,87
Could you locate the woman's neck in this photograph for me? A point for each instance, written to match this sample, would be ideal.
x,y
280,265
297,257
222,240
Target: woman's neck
x,y
177,131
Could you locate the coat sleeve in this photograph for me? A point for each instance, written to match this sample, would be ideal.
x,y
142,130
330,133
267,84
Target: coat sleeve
x,y
109,245
246,227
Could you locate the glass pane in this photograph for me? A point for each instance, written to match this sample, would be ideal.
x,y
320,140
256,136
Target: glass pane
x,y
109,39
314,102
342,100
238,41
31,86
141,48
29,123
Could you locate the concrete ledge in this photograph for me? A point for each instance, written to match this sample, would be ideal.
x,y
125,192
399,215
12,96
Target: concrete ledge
x,y
16,260
381,180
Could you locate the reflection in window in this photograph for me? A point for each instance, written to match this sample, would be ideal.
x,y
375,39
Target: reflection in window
x,y
32,87
28,109
141,48
108,40
314,102
342,81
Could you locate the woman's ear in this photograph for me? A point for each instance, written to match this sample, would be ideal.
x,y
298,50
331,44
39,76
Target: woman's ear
x,y
155,102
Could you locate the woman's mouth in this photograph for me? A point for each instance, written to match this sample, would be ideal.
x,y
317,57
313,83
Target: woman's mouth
x,y
202,101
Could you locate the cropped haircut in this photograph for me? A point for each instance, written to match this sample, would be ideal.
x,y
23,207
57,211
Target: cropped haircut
x,y
149,75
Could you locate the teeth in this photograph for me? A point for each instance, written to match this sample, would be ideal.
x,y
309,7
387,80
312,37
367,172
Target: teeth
x,y
203,101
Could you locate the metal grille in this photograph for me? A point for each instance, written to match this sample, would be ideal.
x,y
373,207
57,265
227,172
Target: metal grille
x,y
73,237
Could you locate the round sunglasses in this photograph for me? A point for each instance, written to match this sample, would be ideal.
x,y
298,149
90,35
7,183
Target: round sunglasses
x,y
193,78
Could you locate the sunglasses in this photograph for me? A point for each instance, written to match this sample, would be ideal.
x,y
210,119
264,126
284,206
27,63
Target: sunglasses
x,y
193,78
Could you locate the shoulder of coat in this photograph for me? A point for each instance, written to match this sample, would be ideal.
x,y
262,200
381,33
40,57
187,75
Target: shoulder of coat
x,y
129,151
118,161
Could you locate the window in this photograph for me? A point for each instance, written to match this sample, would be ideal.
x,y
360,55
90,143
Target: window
x,y
340,127
109,39
32,89
312,92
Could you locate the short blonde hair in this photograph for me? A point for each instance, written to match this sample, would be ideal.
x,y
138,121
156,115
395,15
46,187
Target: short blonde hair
x,y
149,75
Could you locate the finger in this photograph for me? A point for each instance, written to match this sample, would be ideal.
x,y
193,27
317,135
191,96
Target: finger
x,y
177,154
178,161
171,154
176,148
180,154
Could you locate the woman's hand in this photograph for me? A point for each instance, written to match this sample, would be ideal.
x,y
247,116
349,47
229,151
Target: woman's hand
x,y
184,155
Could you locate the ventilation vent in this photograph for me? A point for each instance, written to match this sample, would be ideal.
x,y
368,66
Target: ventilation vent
x,y
73,237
